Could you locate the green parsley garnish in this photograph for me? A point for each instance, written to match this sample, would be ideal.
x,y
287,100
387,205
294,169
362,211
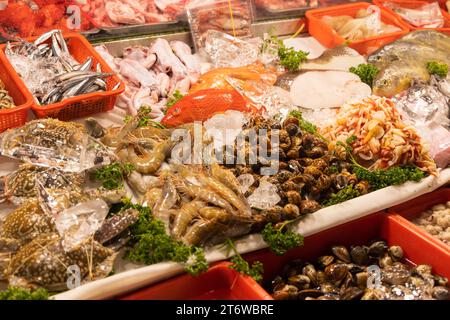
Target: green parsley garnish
x,y
150,244
113,175
349,192
306,125
366,72
176,96
289,57
143,118
241,265
280,240
437,68
382,178
16,293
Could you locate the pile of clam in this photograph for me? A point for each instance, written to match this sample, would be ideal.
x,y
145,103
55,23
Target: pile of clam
x,y
374,272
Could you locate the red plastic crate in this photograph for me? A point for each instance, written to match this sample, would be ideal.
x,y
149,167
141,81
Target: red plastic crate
x,y
329,37
417,249
410,210
412,4
82,105
22,98
219,283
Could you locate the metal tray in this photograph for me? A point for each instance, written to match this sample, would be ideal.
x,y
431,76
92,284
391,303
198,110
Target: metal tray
x,y
141,28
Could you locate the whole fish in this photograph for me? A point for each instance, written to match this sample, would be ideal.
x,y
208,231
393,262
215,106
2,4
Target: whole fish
x,y
403,61
203,104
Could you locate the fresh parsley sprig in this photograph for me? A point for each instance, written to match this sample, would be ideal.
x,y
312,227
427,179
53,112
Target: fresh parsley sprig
x,y
113,175
16,293
150,244
437,68
306,125
241,265
366,72
280,240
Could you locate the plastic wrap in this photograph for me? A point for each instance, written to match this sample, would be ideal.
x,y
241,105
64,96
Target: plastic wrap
x,y
233,17
428,15
52,143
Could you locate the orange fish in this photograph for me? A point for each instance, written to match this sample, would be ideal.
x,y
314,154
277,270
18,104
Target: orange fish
x,y
217,78
202,105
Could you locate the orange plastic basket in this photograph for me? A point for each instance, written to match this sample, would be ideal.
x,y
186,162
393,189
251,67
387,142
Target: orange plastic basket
x,y
412,4
329,37
22,98
82,105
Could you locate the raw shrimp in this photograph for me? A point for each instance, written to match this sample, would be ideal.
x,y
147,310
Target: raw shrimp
x,y
200,232
152,196
226,177
148,161
184,217
227,194
205,194
169,197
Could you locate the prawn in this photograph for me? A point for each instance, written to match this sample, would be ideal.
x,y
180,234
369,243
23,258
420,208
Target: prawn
x,y
184,217
148,162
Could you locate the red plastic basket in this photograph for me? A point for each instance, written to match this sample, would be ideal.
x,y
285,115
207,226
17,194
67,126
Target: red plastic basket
x,y
329,37
82,105
22,98
412,4
219,283
407,211
417,249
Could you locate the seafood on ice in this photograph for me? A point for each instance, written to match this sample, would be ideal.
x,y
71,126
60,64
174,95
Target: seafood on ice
x,y
54,143
215,15
382,140
202,207
426,106
115,13
50,72
327,89
426,15
343,273
152,74
367,23
404,60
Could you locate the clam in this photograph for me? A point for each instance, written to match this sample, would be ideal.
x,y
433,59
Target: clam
x,y
288,292
373,294
377,249
329,288
423,270
325,261
341,253
396,253
300,281
311,273
393,275
336,272
385,261
352,293
440,281
361,279
359,255
441,293
311,293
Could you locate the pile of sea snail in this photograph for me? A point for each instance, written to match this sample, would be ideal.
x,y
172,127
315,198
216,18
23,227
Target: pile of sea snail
x,y
307,172
344,274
